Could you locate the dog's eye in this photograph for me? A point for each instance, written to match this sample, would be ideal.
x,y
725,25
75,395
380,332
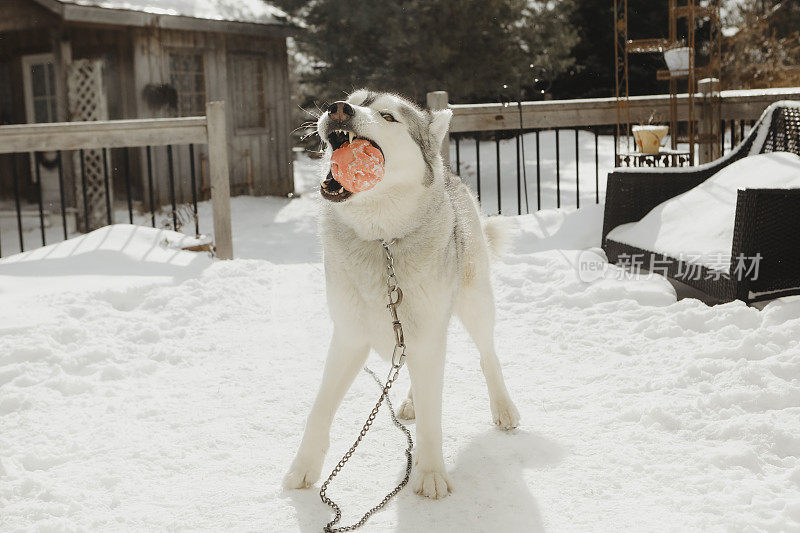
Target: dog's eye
x,y
388,117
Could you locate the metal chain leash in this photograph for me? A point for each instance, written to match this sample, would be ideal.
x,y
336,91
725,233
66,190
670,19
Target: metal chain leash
x,y
398,358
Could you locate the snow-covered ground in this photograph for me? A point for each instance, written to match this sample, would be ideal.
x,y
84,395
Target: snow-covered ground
x,y
146,388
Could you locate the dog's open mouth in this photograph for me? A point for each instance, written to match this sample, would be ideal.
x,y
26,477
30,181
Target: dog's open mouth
x,y
333,190
330,188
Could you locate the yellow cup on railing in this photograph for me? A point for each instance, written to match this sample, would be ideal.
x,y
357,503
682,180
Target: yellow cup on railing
x,y
649,138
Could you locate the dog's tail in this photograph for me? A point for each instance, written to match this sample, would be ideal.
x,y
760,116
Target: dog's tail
x,y
497,231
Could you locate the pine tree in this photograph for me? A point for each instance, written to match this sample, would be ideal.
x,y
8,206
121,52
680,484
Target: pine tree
x,y
470,48
548,39
762,46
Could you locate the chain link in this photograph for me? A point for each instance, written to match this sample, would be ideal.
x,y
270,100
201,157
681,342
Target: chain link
x,y
398,358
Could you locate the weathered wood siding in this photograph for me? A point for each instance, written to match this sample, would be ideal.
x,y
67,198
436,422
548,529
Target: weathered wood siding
x,y
150,66
269,150
260,158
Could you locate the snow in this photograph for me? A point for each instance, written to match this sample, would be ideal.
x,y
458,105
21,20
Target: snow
x,y
143,387
648,127
700,221
253,11
136,252
730,93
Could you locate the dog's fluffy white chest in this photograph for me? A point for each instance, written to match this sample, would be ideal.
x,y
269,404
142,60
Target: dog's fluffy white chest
x,y
356,278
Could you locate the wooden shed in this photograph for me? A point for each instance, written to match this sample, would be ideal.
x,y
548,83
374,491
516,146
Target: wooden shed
x,y
153,58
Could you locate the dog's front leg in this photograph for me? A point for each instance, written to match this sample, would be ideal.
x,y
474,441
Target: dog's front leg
x,y
345,358
426,367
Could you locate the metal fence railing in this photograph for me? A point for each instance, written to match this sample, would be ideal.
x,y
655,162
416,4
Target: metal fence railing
x,y
529,190
733,132
82,215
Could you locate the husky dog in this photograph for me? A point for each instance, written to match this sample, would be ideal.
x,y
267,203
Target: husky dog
x,y
441,256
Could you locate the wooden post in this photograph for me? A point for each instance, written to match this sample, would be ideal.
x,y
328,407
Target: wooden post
x,y
220,179
708,123
437,101
62,51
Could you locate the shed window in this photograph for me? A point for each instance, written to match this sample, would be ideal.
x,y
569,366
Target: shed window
x,y
188,77
250,74
40,82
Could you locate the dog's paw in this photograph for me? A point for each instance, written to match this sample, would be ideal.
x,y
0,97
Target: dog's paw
x,y
302,474
432,484
505,414
406,411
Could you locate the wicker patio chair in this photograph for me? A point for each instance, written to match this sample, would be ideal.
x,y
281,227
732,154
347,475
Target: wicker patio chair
x,y
767,221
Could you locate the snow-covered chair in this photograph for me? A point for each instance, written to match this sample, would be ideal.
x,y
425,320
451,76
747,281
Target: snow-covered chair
x,y
766,224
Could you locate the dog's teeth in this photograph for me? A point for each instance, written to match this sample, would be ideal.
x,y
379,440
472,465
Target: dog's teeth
x,y
350,136
341,189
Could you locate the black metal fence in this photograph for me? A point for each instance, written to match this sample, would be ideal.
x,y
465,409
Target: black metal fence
x,y
529,188
69,204
730,129
530,191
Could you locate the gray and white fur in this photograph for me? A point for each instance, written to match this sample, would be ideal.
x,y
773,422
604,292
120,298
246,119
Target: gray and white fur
x,y
442,251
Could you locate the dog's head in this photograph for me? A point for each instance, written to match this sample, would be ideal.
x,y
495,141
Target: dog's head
x,y
408,137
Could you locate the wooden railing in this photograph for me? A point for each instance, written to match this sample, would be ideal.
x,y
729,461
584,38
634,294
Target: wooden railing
x,y
64,136
551,114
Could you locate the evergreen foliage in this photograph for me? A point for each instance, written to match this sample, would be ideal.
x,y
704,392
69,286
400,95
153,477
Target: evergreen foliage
x,y
763,47
471,48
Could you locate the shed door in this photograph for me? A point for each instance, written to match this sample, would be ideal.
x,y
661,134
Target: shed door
x,y
41,105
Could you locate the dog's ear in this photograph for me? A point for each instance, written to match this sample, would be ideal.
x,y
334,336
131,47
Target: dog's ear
x,y
440,122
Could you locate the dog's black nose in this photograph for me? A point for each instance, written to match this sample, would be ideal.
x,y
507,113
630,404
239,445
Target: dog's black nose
x,y
341,111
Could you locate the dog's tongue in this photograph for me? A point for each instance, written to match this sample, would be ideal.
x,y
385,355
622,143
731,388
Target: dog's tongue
x,y
357,166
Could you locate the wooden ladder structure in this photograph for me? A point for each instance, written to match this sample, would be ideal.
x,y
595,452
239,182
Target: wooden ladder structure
x,y
691,13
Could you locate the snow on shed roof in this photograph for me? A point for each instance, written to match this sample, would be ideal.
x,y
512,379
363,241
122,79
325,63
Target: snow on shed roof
x,y
246,11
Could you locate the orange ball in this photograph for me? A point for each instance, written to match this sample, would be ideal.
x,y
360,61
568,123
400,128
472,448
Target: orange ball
x,y
357,166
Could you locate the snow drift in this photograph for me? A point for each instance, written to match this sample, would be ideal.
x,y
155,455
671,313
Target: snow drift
x,y
700,221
